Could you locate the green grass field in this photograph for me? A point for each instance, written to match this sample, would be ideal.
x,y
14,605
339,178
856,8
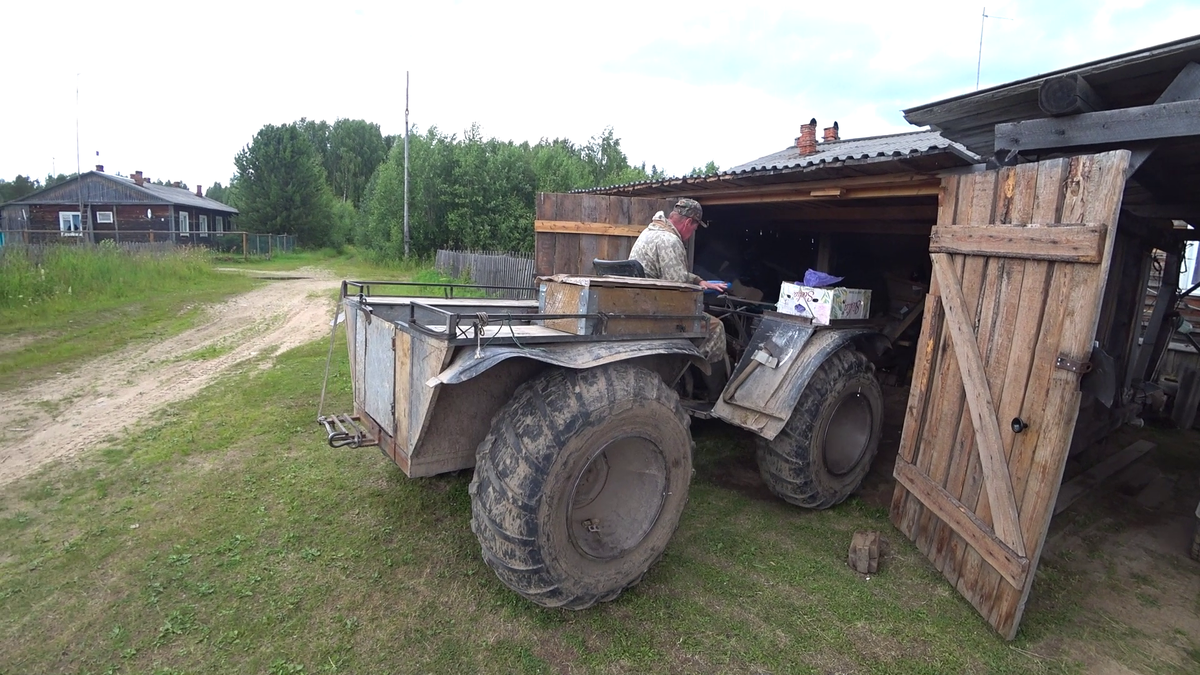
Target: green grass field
x,y
230,538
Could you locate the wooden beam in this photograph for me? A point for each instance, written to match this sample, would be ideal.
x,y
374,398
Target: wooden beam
x,y
578,227
1007,562
1078,486
988,441
805,194
826,211
1073,243
1068,95
1140,123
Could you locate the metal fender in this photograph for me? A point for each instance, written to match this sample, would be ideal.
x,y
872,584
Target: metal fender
x,y
781,359
469,363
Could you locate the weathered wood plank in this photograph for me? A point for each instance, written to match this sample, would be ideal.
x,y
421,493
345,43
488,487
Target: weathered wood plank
x,y
1086,481
1083,243
1138,123
1012,566
582,227
979,401
972,271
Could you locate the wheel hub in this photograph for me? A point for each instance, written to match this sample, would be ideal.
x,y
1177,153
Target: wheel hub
x,y
617,497
848,434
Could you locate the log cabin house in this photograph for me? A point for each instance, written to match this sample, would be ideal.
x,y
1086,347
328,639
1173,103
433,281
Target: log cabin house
x,y
98,206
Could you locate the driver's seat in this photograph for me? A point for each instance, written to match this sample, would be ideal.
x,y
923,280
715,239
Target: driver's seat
x,y
619,268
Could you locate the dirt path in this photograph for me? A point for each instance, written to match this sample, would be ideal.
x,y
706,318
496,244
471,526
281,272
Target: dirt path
x,y
66,414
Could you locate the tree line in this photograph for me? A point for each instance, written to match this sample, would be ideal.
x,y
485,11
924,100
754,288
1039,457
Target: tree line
x,y
340,183
343,183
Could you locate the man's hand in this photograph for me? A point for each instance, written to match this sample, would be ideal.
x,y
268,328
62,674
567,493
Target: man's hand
x,y
710,286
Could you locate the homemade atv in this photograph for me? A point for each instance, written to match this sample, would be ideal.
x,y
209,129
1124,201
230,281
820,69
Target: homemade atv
x,y
573,409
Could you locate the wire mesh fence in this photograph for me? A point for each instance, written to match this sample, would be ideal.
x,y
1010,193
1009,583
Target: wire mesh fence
x,y
243,244
491,268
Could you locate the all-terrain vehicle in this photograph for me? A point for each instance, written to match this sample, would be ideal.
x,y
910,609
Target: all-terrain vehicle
x,y
573,409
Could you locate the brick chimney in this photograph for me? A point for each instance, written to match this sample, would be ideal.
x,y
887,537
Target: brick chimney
x,y
198,192
807,142
831,133
99,168
137,178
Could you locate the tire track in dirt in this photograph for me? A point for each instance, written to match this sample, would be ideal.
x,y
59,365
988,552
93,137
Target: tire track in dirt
x,y
69,413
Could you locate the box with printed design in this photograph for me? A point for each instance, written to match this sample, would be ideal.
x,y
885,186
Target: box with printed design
x,y
823,305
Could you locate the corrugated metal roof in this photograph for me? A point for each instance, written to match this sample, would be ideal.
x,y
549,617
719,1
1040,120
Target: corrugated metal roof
x,y
179,196
923,150
893,145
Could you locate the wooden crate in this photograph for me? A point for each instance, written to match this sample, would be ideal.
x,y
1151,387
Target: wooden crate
x,y
657,300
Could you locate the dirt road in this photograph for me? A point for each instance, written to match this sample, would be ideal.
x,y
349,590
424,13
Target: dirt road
x,y
70,412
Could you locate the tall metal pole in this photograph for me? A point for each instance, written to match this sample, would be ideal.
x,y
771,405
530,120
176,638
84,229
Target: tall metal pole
x,y
406,164
78,173
979,61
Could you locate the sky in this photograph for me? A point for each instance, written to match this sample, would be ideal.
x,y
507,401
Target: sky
x,y
175,90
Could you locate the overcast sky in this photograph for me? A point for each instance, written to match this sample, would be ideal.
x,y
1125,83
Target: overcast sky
x,y
176,89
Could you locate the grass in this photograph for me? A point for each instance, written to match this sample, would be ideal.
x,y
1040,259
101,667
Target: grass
x,y
81,303
229,538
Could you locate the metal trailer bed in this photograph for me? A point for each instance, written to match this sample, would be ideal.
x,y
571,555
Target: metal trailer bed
x,y
412,355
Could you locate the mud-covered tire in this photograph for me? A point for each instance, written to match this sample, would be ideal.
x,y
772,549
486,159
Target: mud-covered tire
x,y
580,483
825,450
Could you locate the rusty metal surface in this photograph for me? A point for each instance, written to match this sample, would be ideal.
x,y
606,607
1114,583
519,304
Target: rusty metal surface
x,y
467,363
761,398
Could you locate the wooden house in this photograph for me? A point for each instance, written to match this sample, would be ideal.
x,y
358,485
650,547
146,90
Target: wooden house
x,y
98,206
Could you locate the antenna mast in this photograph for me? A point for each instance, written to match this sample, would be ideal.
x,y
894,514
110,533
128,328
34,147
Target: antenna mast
x,y
984,16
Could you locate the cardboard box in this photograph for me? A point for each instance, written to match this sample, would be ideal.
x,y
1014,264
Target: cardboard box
x,y
653,301
824,305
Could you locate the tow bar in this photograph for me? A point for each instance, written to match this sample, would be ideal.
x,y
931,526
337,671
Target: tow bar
x,y
345,431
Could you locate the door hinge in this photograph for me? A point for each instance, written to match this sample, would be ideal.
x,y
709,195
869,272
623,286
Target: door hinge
x,y
1067,363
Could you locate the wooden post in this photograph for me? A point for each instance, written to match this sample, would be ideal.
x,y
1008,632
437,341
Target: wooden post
x,y
152,234
245,255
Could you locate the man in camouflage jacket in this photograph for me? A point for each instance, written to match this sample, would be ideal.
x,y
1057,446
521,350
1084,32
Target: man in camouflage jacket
x,y
660,250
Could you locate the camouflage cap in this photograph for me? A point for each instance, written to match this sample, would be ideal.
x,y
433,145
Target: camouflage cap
x,y
691,209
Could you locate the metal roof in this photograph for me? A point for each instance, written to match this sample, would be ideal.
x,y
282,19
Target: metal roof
x,y
151,194
892,145
922,151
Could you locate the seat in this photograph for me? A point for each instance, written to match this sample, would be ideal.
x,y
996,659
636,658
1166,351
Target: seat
x,y
619,268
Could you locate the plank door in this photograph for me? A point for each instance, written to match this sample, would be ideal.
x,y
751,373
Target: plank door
x,y
1020,257
571,230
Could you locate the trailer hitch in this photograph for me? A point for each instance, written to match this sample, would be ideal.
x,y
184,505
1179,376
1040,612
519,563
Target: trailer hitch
x,y
345,431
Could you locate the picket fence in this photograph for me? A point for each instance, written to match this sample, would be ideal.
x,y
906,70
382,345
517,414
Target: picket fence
x,y
491,268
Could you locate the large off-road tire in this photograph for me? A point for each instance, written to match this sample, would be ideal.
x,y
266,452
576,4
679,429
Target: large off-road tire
x,y
826,447
580,483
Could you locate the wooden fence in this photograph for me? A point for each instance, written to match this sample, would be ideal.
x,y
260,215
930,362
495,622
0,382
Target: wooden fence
x,y
488,268
35,242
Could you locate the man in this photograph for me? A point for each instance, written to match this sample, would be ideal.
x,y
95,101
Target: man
x,y
660,246
660,250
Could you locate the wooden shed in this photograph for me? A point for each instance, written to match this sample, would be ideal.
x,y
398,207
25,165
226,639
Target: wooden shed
x,y
1028,272
98,206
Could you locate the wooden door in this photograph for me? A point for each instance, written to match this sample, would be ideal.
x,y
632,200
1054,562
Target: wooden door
x,y
1020,257
571,230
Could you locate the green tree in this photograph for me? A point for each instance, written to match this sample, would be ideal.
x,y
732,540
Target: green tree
x,y
356,149
220,193
710,169
17,188
281,188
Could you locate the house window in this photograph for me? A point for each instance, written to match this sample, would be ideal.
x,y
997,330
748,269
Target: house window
x,y
104,216
1189,270
220,224
183,222
70,224
203,226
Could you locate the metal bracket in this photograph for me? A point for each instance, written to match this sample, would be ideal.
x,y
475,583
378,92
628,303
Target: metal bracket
x,y
1068,363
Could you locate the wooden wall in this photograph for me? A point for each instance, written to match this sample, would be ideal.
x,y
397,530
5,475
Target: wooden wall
x,y
571,230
